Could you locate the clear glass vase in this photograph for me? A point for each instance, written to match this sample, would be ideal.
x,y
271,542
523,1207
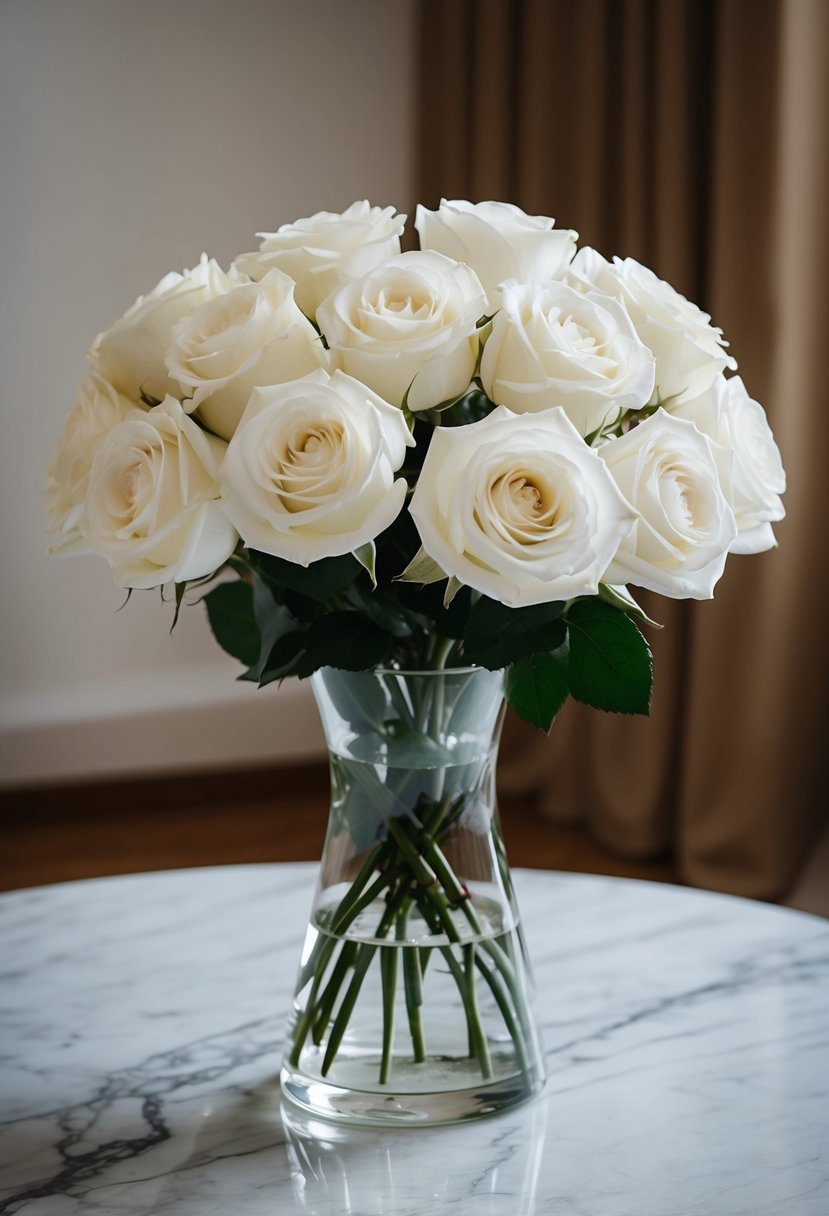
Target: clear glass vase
x,y
412,1003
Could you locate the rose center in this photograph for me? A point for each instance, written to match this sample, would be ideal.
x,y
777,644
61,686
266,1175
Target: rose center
x,y
403,303
227,313
520,508
681,499
576,336
526,496
305,466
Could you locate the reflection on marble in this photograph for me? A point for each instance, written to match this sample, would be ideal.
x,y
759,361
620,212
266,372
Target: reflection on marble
x,y
687,1040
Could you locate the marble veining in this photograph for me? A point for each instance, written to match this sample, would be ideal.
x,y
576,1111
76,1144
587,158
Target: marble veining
x,y
141,1019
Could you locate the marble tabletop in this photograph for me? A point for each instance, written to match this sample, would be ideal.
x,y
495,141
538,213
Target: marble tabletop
x,y
686,1034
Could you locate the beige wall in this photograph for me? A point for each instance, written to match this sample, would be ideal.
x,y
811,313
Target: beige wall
x,y
133,137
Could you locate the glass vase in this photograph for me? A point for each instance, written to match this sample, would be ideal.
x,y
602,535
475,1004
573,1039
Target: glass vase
x,y
412,1003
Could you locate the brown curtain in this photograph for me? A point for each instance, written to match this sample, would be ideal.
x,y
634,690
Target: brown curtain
x,y
694,136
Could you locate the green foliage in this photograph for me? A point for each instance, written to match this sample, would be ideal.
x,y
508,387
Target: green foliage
x,y
610,662
343,639
230,612
537,687
280,619
497,636
472,407
319,581
620,597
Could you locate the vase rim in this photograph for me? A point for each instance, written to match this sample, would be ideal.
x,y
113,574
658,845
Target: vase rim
x,y
466,669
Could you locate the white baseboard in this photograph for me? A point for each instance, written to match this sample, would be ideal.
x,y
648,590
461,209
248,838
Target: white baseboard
x,y
149,729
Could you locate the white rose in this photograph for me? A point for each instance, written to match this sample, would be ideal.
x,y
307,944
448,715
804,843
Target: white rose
x,y
323,251
310,471
498,240
518,507
153,507
97,409
408,326
131,353
689,352
726,414
248,337
672,474
551,345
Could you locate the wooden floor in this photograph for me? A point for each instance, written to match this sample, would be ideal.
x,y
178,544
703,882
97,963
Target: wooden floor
x,y
57,834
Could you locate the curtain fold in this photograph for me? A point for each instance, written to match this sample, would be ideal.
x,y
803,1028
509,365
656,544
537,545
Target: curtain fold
x,y
694,136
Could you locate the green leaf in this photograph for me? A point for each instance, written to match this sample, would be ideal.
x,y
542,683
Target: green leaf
x,y
453,586
497,636
285,657
361,702
383,608
537,687
421,569
319,581
366,555
275,622
451,622
472,407
610,662
347,640
230,612
619,597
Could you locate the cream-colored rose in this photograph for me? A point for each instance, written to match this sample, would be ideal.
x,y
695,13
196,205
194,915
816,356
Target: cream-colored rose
x,y
250,336
97,409
153,507
688,350
131,354
518,507
551,345
324,250
499,241
408,328
726,414
673,476
310,472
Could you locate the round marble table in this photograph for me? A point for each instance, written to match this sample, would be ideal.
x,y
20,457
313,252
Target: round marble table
x,y
687,1041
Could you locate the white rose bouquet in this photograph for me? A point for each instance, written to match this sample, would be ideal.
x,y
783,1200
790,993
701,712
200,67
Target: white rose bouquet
x,y
459,459
470,452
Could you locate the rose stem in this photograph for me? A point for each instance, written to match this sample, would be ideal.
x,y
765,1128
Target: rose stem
x,y
348,909
482,1047
475,1032
326,1003
363,875
364,956
305,1021
388,976
412,985
459,897
365,953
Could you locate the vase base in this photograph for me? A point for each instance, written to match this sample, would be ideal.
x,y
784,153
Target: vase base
x,y
396,1107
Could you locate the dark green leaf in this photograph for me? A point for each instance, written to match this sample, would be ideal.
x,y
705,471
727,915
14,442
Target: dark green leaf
x,y
359,700
472,407
537,687
383,608
319,581
274,622
451,622
230,612
610,662
497,636
347,640
285,657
